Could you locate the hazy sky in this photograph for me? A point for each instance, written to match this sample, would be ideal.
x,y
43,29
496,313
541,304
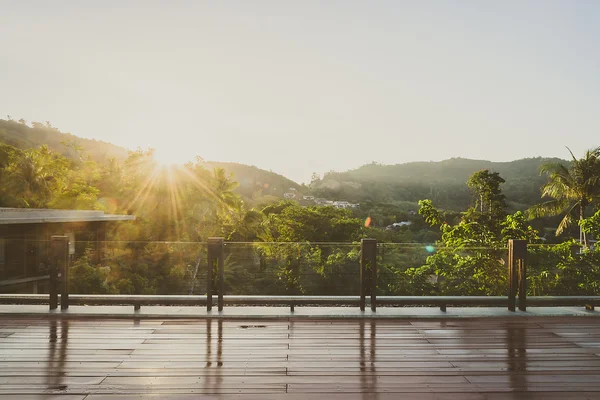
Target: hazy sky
x,y
307,86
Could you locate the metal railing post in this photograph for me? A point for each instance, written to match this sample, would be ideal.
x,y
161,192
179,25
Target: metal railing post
x,y
517,274
363,272
215,256
209,276
522,275
368,279
60,265
221,266
53,289
373,262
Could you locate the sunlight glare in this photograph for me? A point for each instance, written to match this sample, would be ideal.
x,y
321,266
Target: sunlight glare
x,y
167,158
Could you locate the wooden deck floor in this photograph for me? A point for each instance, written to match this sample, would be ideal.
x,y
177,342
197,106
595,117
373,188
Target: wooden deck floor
x,y
540,358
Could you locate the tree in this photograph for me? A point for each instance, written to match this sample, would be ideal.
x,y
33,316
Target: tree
x,y
223,188
572,190
489,197
469,256
35,175
245,225
289,222
294,237
228,203
314,180
85,278
515,226
432,215
591,225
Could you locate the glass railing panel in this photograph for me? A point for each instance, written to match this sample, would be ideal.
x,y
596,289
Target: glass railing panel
x,y
407,269
292,268
24,266
562,270
312,269
138,267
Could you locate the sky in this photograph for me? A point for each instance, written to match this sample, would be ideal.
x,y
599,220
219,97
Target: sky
x,y
309,86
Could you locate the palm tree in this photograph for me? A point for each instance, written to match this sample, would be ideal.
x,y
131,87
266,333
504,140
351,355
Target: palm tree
x,y
30,178
245,224
223,190
572,190
223,187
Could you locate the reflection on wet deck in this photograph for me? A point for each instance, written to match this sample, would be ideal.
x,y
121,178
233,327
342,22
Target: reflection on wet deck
x,y
538,358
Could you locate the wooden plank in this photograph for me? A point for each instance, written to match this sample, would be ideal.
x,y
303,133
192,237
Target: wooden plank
x,y
421,359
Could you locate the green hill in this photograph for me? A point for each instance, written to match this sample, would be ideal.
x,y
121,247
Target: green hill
x,y
258,184
23,137
444,182
400,184
255,183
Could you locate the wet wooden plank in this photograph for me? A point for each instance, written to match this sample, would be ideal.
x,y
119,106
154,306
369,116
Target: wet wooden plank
x,y
422,359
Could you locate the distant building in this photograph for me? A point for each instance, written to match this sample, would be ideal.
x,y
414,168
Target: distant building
x,y
25,242
344,204
310,198
397,225
289,195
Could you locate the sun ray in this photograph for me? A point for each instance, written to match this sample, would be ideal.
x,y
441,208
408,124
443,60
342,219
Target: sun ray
x,y
144,191
172,185
179,196
199,184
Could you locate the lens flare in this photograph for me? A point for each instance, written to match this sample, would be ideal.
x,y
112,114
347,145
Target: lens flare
x,y
368,221
430,249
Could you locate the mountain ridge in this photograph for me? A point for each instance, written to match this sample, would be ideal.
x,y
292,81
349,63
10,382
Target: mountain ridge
x,y
442,181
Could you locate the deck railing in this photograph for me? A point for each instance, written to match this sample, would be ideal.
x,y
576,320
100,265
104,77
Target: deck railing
x,y
213,263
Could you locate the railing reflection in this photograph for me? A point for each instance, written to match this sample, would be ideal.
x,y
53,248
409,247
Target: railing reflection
x,y
57,355
213,379
516,344
368,369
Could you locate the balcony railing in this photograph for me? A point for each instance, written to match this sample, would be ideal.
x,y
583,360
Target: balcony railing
x,y
365,275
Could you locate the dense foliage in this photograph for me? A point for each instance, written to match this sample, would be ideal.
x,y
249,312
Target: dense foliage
x,y
20,135
443,182
289,247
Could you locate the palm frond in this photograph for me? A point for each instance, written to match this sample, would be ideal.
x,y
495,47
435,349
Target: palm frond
x,y
549,208
572,155
564,224
554,167
566,221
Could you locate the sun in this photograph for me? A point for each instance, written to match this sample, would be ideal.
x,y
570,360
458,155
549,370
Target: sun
x,y
166,158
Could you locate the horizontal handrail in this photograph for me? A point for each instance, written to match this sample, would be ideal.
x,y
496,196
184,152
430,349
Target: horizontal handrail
x,y
17,281
563,300
101,299
441,301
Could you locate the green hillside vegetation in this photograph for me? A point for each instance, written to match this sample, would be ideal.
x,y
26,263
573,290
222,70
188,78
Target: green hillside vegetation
x,y
443,182
402,185
18,134
257,185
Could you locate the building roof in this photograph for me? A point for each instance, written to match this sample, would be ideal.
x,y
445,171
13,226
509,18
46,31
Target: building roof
x,y
38,215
